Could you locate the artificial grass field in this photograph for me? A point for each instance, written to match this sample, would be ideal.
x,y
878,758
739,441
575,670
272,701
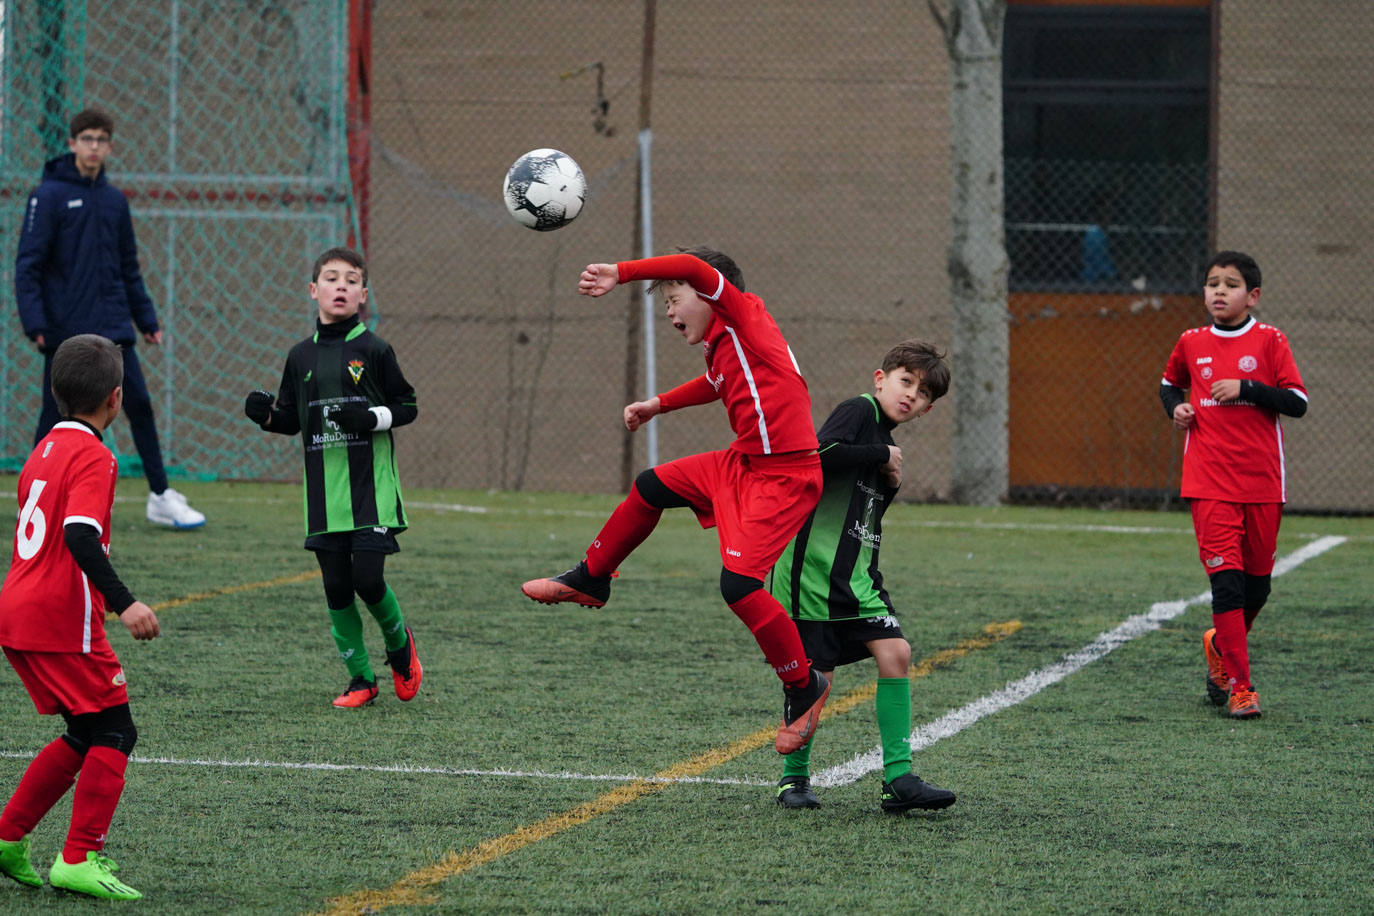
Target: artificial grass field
x,y
509,783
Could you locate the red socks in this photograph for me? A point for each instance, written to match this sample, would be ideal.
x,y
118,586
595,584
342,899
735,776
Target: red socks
x,y
634,519
45,781
776,635
93,806
626,529
1231,627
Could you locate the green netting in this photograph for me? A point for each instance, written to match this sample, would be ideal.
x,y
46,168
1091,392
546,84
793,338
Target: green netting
x,y
230,143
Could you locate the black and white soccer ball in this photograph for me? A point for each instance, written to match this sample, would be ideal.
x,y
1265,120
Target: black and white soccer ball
x,y
544,189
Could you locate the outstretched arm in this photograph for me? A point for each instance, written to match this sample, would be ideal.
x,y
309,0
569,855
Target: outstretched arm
x,y
641,412
598,279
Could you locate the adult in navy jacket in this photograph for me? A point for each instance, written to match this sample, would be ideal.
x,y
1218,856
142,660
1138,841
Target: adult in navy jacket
x,y
77,273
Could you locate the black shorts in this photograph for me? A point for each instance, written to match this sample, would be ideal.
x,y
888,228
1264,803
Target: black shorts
x,y
831,643
376,540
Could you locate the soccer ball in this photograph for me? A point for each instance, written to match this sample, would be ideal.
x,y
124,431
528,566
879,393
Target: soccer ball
x,y
544,189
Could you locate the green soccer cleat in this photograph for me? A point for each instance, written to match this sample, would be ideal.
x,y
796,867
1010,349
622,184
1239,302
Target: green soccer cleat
x,y
14,862
94,877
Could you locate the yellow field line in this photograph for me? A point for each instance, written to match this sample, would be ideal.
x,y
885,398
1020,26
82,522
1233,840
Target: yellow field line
x,y
409,891
235,589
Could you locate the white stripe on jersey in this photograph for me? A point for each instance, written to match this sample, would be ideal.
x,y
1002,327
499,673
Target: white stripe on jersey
x,y
753,389
720,286
82,520
86,618
1283,464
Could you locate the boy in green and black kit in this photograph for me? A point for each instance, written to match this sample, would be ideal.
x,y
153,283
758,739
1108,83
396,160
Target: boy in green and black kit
x,y
828,578
343,390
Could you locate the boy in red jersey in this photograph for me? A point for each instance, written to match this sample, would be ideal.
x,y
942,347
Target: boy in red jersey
x,y
1240,376
52,626
757,493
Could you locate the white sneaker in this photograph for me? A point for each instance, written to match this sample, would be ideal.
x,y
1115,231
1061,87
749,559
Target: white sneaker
x,y
170,508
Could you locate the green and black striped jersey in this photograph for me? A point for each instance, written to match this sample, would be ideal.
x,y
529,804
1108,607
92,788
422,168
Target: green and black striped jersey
x,y
351,479
830,570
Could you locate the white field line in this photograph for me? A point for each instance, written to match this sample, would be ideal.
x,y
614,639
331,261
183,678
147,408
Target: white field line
x,y
431,771
925,735
957,720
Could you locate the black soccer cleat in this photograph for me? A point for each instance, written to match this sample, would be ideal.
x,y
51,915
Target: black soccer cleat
x,y
576,585
910,791
795,792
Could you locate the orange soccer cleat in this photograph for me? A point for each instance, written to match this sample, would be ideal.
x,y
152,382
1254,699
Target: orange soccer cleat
x,y
801,713
1244,704
360,692
1218,681
405,668
576,585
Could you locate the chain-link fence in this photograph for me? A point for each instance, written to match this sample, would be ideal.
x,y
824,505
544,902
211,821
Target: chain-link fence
x,y
230,144
811,142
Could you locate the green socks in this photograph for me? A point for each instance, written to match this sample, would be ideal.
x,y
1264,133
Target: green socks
x,y
893,703
346,625
798,763
388,615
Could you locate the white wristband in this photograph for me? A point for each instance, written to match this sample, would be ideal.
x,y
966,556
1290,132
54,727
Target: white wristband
x,y
383,415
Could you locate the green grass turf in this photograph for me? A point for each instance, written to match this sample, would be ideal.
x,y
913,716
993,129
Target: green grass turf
x,y
1117,789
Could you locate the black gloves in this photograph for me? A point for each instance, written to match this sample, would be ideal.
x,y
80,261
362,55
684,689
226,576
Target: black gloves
x,y
353,418
258,406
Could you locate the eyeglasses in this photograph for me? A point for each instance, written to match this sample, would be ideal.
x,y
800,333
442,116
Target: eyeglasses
x,y
93,140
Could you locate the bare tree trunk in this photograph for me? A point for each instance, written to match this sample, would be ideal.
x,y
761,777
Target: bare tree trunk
x,y
977,248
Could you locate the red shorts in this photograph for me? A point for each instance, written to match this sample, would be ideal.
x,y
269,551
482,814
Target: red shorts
x,y
757,503
1241,536
72,682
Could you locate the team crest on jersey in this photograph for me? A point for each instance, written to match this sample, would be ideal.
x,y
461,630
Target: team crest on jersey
x,y
1206,372
355,369
1248,363
118,679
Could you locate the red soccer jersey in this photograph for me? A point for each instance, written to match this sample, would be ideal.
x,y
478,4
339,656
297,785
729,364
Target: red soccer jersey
x,y
46,604
1233,452
748,362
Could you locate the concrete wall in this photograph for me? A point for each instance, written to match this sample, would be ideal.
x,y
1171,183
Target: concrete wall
x,y
808,140
1294,189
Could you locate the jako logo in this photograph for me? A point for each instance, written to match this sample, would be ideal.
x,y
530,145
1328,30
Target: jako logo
x,y
790,666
